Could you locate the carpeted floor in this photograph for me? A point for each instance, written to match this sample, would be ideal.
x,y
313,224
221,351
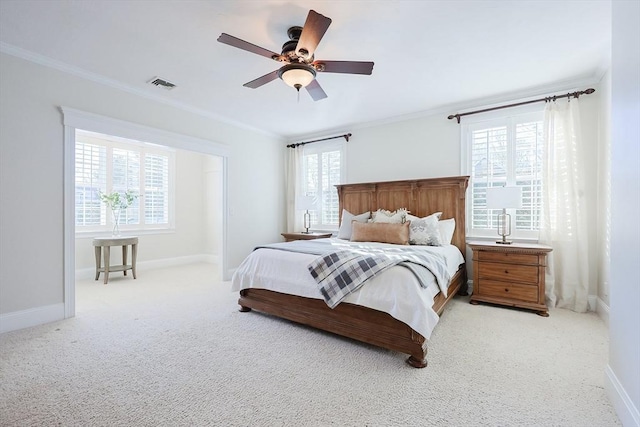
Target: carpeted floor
x,y
171,349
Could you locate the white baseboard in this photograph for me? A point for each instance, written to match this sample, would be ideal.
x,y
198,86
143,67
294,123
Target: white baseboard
x,y
626,410
603,311
31,317
88,273
172,262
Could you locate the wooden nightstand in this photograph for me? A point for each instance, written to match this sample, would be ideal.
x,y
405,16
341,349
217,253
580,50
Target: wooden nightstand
x,y
510,275
304,236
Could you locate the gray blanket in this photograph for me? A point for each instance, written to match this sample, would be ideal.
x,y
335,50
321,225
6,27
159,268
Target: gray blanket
x,y
340,270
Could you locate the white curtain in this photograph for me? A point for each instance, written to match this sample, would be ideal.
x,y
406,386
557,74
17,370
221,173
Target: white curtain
x,y
564,224
294,180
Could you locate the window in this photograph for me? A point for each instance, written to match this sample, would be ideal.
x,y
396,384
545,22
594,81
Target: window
x,y
504,151
323,166
106,164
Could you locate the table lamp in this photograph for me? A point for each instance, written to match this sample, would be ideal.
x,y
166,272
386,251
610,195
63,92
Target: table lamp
x,y
306,203
507,197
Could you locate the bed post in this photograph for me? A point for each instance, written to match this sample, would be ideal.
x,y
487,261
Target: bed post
x,y
243,308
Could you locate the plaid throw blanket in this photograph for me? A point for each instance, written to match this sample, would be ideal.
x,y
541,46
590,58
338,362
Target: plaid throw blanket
x,y
341,272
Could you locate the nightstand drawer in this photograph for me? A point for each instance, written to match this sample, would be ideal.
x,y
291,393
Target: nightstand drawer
x,y
508,272
508,257
489,288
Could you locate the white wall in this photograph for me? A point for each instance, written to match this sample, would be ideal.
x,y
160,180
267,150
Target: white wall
x,y
623,372
425,147
193,231
31,174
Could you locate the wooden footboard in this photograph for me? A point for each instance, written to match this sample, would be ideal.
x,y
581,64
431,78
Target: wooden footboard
x,y
349,320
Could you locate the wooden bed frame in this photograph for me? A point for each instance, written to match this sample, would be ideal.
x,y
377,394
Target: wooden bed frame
x,y
422,197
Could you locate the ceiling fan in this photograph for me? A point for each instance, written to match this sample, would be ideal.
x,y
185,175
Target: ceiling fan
x,y
298,55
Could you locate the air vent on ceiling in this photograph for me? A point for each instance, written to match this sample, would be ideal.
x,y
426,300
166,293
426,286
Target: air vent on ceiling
x,y
157,81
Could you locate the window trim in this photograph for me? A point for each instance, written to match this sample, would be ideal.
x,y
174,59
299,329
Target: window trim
x,y
495,118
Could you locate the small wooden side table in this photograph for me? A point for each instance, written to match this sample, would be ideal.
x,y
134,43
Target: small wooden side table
x,y
289,237
106,243
510,275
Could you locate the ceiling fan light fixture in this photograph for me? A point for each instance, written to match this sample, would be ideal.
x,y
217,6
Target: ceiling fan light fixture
x,y
297,75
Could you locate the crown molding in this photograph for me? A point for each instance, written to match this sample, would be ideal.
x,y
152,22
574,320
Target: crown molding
x,y
46,61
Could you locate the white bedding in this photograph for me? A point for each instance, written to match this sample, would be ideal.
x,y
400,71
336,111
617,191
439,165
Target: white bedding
x,y
395,291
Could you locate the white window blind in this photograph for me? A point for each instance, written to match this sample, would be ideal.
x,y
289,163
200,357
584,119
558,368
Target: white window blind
x,y
106,164
505,151
91,177
126,176
323,170
156,189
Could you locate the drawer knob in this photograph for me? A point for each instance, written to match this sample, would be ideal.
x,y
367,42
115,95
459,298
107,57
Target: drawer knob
x,y
506,272
506,289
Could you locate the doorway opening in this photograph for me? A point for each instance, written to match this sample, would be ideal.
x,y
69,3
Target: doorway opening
x,y
197,216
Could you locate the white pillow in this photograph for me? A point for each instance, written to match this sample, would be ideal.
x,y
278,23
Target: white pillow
x,y
425,231
447,227
396,217
345,225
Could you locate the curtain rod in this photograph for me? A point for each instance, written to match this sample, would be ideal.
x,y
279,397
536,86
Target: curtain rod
x,y
345,136
545,99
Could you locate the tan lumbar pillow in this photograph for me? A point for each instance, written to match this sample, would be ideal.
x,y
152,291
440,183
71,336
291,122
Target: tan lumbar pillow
x,y
380,232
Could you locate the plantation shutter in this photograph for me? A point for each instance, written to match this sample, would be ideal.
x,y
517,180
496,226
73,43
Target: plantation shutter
x,y
489,169
106,164
331,166
126,176
500,152
90,179
156,189
323,169
528,174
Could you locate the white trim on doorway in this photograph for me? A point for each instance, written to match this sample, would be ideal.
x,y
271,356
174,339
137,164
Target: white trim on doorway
x,y
75,119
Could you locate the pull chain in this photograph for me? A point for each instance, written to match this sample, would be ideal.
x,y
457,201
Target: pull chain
x,y
298,86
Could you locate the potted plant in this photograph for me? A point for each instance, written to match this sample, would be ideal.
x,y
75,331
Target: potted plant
x,y
117,202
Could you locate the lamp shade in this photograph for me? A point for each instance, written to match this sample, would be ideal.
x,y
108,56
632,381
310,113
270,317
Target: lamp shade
x,y
305,203
297,75
504,197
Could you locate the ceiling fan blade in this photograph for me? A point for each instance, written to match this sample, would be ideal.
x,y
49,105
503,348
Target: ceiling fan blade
x,y
346,67
316,92
253,84
250,47
314,28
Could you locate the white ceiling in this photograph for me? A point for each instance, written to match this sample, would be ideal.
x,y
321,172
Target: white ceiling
x,y
429,55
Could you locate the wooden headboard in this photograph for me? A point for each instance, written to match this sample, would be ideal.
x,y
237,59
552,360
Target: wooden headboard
x,y
421,196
